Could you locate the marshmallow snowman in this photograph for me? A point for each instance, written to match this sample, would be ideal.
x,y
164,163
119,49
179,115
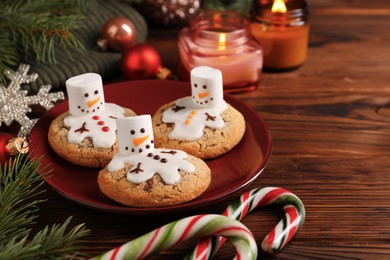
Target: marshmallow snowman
x,y
135,134
90,116
85,93
136,147
203,109
206,87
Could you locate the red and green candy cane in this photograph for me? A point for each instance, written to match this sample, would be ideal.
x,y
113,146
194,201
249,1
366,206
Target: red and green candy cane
x,y
279,236
191,227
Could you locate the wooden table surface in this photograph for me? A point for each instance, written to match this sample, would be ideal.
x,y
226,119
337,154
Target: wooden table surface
x,y
330,127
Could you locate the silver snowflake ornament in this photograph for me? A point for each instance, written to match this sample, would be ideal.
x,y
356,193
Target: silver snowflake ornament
x,y
15,104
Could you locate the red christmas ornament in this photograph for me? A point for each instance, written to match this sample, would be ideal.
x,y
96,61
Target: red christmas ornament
x,y
11,146
141,61
168,13
118,34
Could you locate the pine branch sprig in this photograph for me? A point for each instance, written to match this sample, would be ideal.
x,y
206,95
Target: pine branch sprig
x,y
49,243
19,183
35,27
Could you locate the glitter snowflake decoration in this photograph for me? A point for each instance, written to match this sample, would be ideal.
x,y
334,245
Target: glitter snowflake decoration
x,y
15,104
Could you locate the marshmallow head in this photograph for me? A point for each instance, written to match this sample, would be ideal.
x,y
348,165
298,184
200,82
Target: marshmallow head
x,y
206,86
135,134
85,94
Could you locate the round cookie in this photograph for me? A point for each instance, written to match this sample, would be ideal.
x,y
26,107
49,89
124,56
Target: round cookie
x,y
212,143
86,135
83,153
155,192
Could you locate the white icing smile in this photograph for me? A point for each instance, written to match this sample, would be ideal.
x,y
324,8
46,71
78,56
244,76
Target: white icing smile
x,y
190,120
145,165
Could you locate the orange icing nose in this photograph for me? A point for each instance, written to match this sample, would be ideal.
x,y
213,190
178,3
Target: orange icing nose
x,y
93,102
203,94
138,141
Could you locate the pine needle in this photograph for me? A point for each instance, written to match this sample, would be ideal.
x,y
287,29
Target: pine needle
x,y
35,27
19,183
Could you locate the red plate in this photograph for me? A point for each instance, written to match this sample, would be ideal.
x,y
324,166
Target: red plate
x,y
230,172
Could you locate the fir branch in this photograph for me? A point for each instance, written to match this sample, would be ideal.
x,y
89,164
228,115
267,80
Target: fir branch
x,y
36,26
49,243
19,183
9,55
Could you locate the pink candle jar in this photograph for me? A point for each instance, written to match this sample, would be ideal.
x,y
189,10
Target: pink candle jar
x,y
222,40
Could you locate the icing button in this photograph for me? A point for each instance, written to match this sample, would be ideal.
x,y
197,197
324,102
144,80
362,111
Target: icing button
x,y
105,129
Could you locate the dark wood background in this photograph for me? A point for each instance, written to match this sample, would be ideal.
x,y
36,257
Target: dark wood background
x,y
330,127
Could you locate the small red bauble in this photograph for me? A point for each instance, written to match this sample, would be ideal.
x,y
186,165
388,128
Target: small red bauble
x,y
12,146
141,61
118,34
4,154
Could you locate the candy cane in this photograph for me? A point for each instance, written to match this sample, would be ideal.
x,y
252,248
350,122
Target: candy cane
x,y
274,240
181,230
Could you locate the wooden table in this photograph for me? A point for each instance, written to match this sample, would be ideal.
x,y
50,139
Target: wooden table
x,y
330,127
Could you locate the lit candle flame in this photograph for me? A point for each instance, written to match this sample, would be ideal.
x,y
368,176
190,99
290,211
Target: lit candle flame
x,y
279,7
222,41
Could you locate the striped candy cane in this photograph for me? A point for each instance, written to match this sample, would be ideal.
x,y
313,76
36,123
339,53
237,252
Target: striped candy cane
x,y
274,240
181,230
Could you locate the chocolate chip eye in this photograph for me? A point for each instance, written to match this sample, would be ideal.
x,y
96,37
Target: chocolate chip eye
x,y
204,86
86,95
142,130
195,85
132,132
96,92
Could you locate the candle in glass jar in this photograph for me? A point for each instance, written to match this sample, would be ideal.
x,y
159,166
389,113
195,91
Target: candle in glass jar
x,y
282,28
222,40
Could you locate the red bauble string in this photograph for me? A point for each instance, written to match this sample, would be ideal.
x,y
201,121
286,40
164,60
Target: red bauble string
x,y
141,61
